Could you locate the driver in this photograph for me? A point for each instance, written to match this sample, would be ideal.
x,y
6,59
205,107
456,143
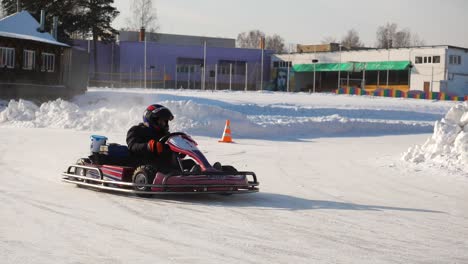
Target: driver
x,y
143,139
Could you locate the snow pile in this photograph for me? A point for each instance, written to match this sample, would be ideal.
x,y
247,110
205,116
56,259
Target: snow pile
x,y
448,145
104,116
19,112
287,116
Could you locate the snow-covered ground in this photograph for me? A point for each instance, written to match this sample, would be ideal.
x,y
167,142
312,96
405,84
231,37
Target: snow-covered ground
x,y
344,179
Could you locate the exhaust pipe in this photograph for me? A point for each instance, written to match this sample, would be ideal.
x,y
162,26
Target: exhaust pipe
x,y
54,27
42,22
141,35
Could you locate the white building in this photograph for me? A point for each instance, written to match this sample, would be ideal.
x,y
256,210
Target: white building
x,y
426,68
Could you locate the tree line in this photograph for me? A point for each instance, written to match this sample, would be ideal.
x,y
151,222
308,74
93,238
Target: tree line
x,y
93,18
387,36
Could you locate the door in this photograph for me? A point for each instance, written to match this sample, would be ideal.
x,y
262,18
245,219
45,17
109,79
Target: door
x,y
427,87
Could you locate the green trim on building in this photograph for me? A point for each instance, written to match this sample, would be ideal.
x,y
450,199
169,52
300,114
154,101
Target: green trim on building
x,y
353,66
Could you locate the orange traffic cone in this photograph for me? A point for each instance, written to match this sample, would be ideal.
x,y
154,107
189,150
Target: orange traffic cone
x,y
227,133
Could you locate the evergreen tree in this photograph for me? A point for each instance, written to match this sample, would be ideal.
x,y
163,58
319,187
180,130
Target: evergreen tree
x,y
95,17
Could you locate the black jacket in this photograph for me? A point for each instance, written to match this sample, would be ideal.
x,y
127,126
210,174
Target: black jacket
x,y
137,140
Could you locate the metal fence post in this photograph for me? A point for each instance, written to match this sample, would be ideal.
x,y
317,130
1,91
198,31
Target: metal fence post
x,y
216,77
230,77
246,76
175,83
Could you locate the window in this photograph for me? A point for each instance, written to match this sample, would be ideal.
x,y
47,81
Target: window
x,y
187,68
186,65
455,59
418,60
7,57
282,64
238,67
427,59
48,62
29,59
285,64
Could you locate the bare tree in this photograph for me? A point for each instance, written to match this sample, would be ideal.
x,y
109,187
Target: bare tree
x,y
416,41
385,35
143,15
351,40
402,38
389,36
291,48
276,43
250,40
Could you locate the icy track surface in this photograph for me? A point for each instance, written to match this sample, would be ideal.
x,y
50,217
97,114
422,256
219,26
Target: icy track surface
x,y
344,179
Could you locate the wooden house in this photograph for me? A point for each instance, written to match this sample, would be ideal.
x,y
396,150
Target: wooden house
x,y
33,64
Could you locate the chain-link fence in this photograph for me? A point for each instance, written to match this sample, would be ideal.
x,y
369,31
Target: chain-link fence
x,y
224,76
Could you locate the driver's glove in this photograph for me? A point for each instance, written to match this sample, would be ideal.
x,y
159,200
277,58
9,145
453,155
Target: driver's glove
x,y
155,146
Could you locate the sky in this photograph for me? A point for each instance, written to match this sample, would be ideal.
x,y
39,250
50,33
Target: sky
x,y
437,22
343,179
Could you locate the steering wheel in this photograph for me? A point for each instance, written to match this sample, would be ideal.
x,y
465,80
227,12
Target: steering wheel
x,y
166,137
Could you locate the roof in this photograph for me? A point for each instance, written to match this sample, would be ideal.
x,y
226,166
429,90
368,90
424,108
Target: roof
x,y
353,66
23,26
372,49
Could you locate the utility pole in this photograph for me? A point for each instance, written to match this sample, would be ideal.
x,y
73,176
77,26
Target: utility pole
x,y
339,70
314,61
389,44
145,63
262,45
388,70
204,67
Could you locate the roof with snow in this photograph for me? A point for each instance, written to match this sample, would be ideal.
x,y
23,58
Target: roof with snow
x,y
23,26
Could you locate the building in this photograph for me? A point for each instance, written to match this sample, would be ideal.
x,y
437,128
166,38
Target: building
x,y
171,39
177,61
439,68
33,64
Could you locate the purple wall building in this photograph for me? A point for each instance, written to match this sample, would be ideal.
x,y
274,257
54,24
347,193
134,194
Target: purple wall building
x,y
177,66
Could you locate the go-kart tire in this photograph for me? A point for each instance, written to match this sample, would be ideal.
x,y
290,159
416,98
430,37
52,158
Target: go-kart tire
x,y
78,171
144,175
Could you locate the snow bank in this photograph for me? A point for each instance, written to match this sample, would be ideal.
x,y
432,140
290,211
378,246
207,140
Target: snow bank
x,y
289,116
448,145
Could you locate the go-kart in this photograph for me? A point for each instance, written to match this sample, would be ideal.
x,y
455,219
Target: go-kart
x,y
147,180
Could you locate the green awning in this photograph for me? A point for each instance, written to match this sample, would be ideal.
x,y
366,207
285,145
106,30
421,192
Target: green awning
x,y
353,66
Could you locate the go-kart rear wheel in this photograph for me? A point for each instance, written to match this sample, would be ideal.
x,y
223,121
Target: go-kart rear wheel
x,y
144,175
80,171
